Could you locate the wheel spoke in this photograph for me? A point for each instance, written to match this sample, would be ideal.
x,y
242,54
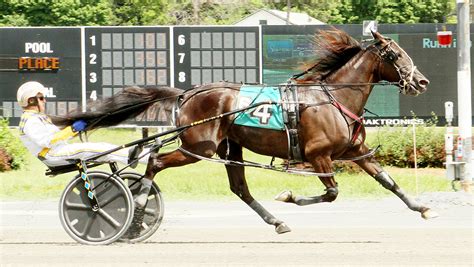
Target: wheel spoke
x,y
150,211
109,218
76,206
88,226
145,226
105,202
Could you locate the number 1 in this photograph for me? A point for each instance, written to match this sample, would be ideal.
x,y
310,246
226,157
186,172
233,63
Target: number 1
x,y
92,40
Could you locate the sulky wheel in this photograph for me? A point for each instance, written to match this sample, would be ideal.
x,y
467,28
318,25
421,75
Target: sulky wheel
x,y
109,222
154,209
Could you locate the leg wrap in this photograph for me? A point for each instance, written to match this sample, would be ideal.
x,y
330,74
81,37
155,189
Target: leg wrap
x,y
385,180
266,216
142,196
331,194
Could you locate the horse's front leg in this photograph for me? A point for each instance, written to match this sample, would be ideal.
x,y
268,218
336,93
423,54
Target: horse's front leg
x,y
321,164
238,185
371,166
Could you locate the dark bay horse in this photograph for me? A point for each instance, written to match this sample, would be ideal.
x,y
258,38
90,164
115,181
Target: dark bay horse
x,y
345,71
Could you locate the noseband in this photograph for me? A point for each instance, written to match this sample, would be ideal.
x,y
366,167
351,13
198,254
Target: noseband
x,y
387,54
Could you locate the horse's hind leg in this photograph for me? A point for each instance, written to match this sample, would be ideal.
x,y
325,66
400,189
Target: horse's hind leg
x,y
156,163
381,176
238,185
320,165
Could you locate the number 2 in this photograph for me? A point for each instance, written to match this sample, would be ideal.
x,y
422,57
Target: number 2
x,y
93,58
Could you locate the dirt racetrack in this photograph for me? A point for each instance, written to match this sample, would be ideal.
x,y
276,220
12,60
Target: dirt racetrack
x,y
354,233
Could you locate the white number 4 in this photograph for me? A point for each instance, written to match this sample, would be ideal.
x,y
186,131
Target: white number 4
x,y
93,95
263,112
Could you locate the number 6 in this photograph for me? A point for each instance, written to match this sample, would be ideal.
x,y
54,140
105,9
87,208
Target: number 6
x,y
181,39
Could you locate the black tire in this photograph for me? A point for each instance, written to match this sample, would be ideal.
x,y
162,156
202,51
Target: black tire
x,y
154,209
100,227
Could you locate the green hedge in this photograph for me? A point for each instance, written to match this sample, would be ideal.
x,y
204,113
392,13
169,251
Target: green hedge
x,y
9,143
397,146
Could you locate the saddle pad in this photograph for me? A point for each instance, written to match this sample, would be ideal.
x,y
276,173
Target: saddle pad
x,y
268,116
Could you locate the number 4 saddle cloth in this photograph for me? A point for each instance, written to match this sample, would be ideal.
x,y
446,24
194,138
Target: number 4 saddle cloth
x,y
268,116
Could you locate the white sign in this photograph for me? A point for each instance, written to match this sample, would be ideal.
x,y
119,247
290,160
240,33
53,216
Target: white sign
x,y
368,26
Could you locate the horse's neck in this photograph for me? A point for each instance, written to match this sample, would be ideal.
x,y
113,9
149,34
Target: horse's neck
x,y
361,69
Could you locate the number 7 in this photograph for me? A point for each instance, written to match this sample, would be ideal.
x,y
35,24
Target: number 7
x,y
181,57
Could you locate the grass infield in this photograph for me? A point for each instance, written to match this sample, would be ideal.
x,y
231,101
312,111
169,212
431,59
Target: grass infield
x,y
208,181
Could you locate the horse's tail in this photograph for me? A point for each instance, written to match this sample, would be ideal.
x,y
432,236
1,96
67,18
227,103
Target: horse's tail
x,y
127,104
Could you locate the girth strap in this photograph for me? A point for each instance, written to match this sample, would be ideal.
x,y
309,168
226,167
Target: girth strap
x,y
291,118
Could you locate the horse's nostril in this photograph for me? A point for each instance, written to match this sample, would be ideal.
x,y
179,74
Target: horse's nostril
x,y
423,82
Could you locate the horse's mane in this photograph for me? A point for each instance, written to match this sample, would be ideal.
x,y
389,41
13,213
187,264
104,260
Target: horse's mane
x,y
334,48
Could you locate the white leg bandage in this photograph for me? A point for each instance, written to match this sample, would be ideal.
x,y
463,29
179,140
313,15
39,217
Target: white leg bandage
x,y
142,196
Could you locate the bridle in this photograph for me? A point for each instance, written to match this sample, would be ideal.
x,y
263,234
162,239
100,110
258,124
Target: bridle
x,y
386,53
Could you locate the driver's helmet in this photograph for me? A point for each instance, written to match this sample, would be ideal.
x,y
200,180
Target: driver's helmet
x,y
28,90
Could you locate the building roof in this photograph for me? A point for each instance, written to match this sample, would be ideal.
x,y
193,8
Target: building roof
x,y
278,17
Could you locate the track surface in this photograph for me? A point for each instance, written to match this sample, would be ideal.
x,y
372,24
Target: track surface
x,y
358,232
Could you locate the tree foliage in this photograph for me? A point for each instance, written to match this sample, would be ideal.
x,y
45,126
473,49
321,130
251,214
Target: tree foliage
x,y
189,12
56,12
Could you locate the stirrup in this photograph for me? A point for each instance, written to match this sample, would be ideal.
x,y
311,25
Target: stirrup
x,y
133,154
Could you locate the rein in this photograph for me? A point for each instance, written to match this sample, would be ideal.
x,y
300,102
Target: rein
x,y
381,83
250,164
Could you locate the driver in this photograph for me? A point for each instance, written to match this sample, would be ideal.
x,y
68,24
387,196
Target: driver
x,y
47,142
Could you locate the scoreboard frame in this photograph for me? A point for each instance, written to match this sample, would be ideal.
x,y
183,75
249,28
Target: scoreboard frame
x,y
208,54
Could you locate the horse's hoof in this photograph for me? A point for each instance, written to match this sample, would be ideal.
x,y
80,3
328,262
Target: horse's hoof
x,y
135,227
282,228
284,196
429,214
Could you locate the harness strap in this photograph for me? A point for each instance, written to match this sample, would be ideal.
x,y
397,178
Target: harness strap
x,y
291,117
346,111
359,120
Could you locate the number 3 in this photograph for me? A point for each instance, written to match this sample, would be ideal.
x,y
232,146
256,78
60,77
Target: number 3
x,y
93,77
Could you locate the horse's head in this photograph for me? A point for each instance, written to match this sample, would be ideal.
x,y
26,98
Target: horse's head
x,y
398,66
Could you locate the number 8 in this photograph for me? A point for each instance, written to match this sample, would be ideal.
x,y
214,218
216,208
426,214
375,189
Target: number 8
x,y
182,77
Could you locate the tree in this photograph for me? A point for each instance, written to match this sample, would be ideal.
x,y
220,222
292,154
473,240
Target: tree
x,y
56,13
394,11
384,11
191,12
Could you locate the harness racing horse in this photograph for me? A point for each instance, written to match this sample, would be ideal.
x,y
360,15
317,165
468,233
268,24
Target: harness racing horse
x,y
332,95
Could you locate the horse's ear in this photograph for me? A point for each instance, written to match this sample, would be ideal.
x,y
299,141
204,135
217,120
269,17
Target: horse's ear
x,y
376,35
